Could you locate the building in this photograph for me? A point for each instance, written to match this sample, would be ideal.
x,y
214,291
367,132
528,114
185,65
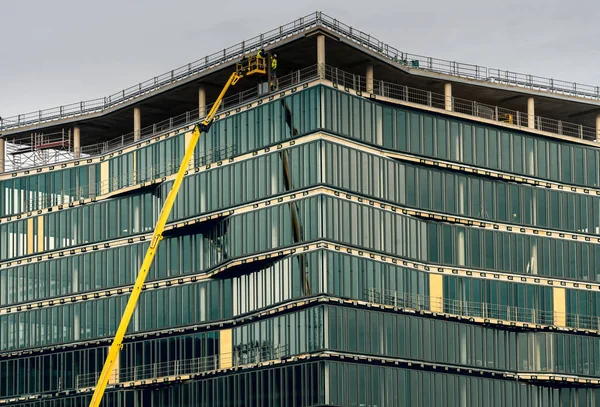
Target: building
x,y
384,229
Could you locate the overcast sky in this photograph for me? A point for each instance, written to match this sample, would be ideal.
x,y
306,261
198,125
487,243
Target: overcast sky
x,y
63,51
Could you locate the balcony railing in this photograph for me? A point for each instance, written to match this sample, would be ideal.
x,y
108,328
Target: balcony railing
x,y
480,309
174,368
468,107
128,179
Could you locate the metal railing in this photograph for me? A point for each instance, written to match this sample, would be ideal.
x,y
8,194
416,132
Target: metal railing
x,y
310,21
175,368
228,54
480,309
468,107
338,77
136,177
162,169
193,116
542,83
459,69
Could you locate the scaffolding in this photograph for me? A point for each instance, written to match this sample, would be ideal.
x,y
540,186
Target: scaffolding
x,y
39,149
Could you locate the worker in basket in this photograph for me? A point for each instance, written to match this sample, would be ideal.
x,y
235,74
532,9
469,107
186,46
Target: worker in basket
x,y
274,72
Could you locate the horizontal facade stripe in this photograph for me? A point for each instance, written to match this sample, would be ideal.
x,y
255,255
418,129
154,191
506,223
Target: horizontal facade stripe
x,y
274,255
468,168
333,138
552,380
327,191
469,221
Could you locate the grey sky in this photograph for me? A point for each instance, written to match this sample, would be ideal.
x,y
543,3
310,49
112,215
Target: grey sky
x,y
63,51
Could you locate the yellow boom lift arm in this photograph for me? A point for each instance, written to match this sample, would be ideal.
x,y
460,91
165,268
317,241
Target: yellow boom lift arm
x,y
248,66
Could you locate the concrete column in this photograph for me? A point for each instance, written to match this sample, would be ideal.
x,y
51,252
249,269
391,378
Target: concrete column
x,y
597,128
448,96
202,102
531,113
321,55
370,78
76,142
137,123
2,155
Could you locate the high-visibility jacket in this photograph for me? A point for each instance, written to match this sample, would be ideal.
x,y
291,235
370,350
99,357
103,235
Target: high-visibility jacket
x,y
259,54
274,63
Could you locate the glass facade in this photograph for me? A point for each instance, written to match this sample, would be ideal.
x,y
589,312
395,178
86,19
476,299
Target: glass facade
x,y
305,289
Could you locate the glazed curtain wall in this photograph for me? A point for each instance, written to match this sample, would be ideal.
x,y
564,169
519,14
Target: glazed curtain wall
x,y
459,194
363,226
59,370
342,384
353,384
260,177
176,306
334,328
395,234
203,192
379,333
584,303
263,176
396,128
206,301
501,293
283,386
233,135
435,135
387,334
334,273
49,189
95,270
184,255
287,386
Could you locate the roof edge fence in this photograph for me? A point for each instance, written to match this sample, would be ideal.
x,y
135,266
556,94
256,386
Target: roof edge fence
x,y
412,61
460,69
347,80
218,58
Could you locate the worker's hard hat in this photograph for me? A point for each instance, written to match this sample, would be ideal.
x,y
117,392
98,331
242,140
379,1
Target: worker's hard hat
x,y
275,55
